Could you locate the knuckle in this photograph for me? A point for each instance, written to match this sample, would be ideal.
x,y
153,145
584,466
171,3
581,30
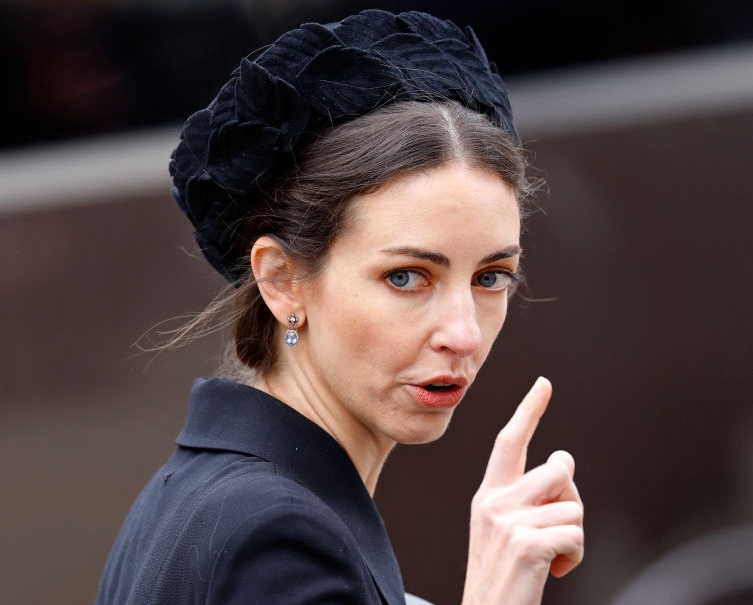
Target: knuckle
x,y
574,510
576,540
564,457
503,441
560,472
490,505
579,542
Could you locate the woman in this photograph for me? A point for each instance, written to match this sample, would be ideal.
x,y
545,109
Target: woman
x,y
361,185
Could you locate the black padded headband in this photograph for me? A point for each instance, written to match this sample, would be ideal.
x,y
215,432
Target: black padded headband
x,y
310,78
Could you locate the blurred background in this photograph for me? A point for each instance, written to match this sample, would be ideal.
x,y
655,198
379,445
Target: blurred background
x,y
639,306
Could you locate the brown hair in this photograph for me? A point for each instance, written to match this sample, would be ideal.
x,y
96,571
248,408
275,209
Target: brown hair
x,y
307,210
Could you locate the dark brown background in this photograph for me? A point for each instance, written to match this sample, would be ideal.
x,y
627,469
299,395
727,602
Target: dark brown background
x,y
642,255
639,268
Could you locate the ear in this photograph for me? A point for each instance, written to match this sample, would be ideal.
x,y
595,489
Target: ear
x,y
276,276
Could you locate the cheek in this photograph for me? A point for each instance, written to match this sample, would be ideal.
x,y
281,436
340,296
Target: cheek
x,y
353,328
372,335
500,318
492,327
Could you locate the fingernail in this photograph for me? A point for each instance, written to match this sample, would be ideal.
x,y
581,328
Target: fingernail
x,y
540,383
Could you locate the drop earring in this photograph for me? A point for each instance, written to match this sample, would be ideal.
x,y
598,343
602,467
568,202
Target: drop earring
x,y
291,334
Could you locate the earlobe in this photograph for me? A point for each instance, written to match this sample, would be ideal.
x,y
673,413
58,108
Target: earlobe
x,y
275,275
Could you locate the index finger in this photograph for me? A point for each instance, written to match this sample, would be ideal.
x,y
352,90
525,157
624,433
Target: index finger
x,y
507,462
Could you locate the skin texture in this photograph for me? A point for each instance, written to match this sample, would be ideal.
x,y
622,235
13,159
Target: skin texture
x,y
523,525
365,343
414,292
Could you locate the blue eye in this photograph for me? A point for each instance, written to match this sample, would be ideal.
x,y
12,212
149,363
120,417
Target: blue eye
x,y
403,278
495,280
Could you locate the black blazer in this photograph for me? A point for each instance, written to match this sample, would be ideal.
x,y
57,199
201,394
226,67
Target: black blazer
x,y
257,505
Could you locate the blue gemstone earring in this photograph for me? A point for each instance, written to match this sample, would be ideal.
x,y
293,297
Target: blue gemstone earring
x,y
291,334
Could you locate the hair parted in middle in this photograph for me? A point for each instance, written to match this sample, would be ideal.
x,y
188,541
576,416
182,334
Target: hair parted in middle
x,y
307,210
312,78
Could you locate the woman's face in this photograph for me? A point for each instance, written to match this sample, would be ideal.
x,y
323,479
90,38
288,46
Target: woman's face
x,y
412,296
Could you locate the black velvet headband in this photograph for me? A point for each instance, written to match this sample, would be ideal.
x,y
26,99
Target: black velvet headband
x,y
312,77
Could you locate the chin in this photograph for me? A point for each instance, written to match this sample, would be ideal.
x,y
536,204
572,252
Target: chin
x,y
424,431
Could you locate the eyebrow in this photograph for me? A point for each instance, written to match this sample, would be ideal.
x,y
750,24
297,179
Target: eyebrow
x,y
440,259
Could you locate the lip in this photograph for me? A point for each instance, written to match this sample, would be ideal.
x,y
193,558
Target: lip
x,y
441,399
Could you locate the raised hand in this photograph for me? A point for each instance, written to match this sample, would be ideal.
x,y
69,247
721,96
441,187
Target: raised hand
x,y
523,525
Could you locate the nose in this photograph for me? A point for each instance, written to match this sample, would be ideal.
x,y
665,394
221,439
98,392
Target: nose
x,y
456,327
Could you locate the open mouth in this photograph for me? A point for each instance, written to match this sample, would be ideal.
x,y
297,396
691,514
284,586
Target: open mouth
x,y
440,394
439,387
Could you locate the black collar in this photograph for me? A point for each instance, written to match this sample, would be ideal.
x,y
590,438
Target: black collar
x,y
229,416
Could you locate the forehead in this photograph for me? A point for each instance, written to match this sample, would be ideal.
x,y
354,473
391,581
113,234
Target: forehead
x,y
452,203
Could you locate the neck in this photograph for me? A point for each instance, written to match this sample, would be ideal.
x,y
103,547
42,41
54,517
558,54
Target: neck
x,y
367,451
